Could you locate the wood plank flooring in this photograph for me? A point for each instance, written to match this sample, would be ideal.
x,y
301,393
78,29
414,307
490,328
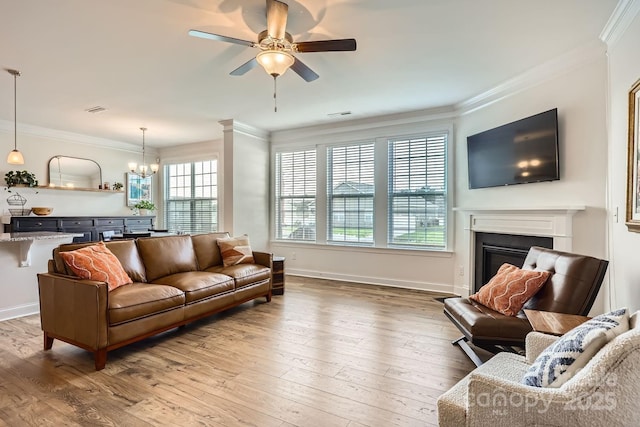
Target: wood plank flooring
x,y
324,354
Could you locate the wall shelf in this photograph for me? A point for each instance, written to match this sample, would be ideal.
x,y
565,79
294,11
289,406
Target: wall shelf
x,y
94,190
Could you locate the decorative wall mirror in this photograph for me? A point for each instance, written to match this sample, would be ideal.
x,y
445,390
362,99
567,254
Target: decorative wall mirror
x,y
633,157
74,173
139,188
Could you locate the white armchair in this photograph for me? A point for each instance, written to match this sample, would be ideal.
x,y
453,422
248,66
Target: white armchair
x,y
606,392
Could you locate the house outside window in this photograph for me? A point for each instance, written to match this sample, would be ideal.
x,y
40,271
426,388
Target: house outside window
x,y
295,195
191,196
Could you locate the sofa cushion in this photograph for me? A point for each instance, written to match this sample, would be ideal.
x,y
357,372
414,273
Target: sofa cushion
x,y
510,289
163,256
138,300
235,250
244,274
97,262
198,285
207,250
127,253
565,357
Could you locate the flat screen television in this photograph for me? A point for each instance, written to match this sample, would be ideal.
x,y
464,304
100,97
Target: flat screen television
x,y
521,152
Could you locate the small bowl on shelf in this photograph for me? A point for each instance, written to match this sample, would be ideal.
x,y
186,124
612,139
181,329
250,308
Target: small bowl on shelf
x,y
42,211
19,211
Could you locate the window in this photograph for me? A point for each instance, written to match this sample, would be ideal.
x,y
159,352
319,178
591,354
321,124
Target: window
x,y
417,192
295,195
387,192
350,186
191,196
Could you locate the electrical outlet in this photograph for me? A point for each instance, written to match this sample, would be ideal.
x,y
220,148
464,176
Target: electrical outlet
x,y
293,256
461,271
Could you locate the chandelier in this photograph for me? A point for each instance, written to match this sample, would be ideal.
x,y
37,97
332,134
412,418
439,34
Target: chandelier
x,y
143,170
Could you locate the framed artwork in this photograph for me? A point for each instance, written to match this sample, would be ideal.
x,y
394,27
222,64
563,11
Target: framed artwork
x,y
633,159
139,188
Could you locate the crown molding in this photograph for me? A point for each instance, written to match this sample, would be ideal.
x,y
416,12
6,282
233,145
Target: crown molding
x,y
415,117
231,125
622,16
535,76
64,136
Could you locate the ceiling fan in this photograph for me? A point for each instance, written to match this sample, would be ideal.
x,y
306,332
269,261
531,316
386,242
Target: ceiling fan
x,y
276,46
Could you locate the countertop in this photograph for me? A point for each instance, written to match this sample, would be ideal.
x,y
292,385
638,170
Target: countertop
x,y
34,235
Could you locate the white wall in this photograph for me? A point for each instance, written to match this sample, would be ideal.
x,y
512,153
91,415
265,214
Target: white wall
x,y
39,145
580,96
624,70
246,185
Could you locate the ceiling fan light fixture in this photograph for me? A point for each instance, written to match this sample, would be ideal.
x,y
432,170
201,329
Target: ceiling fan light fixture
x,y
275,62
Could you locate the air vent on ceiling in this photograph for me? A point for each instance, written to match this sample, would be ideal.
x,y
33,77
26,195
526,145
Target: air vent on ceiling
x,y
341,113
96,109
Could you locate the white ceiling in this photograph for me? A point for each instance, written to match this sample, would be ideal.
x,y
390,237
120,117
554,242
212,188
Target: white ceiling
x,y
135,59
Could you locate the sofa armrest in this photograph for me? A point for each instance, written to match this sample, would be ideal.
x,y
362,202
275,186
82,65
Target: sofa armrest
x,y
263,258
74,310
497,401
535,344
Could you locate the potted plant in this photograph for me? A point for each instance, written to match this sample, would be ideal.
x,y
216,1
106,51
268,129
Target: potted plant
x,y
20,179
144,206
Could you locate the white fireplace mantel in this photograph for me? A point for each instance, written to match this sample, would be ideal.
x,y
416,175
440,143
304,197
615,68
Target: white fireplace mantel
x,y
555,222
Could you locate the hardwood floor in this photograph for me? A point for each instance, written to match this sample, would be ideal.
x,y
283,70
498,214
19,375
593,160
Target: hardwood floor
x,y
325,353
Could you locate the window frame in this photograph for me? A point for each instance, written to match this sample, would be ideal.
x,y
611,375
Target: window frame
x,y
381,137
195,225
445,193
309,232
331,196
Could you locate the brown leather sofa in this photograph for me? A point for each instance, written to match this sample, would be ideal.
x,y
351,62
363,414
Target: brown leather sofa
x,y
176,280
571,288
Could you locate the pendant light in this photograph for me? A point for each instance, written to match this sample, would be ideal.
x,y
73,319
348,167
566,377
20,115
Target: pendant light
x,y
15,156
143,170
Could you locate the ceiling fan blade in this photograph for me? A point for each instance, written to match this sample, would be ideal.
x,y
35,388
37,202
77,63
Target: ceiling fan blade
x,y
326,46
303,71
211,36
276,18
244,68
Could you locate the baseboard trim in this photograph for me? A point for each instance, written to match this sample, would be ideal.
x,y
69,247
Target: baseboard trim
x,y
463,290
19,311
394,283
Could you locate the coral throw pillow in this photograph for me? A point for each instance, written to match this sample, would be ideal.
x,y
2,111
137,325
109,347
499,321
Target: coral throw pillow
x,y
510,289
97,262
235,250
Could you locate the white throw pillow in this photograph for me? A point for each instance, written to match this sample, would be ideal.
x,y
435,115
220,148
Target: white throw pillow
x,y
564,358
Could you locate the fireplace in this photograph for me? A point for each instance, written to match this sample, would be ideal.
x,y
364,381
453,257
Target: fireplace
x,y
493,249
552,224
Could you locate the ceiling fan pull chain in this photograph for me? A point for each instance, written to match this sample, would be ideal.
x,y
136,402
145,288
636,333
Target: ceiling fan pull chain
x,y
275,100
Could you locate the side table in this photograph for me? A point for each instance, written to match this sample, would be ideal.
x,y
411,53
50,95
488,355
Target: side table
x,y
278,275
553,323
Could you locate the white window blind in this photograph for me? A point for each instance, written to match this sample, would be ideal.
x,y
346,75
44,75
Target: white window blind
x,y
417,192
191,196
295,194
350,176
